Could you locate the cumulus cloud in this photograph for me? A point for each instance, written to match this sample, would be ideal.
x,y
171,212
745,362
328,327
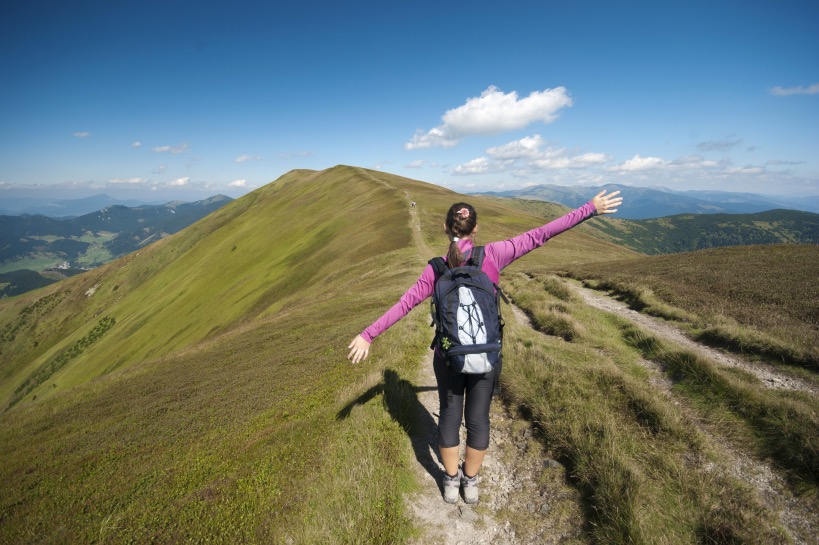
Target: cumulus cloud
x,y
475,166
799,90
527,147
528,153
136,144
238,183
82,134
491,113
243,158
172,149
180,182
688,163
638,163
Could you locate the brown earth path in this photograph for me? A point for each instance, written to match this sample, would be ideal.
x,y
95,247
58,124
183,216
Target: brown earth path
x,y
799,517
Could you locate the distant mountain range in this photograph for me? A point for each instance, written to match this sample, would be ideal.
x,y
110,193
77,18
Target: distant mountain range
x,y
64,208
691,232
35,244
646,202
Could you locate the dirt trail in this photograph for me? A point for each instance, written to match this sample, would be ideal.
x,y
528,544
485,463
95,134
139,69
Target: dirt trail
x,y
798,518
518,479
767,374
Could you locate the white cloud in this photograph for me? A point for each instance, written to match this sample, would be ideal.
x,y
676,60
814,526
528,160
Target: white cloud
x,y
417,164
238,183
638,163
527,147
180,182
243,158
799,90
172,149
475,166
136,144
693,161
591,159
531,152
82,134
491,113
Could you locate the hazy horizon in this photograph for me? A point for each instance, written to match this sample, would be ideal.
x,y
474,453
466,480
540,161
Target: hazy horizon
x,y
190,99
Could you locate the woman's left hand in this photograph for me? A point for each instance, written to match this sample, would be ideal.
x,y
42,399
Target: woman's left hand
x,y
607,204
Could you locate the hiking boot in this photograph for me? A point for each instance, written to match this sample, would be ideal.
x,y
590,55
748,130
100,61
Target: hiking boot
x,y
451,487
470,488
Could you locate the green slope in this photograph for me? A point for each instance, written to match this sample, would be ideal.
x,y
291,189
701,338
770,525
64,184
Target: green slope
x,y
690,232
193,389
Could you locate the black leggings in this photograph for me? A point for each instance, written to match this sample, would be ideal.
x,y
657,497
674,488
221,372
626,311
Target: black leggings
x,y
452,388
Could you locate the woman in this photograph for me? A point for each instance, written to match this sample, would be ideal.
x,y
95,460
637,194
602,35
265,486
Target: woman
x,y
461,394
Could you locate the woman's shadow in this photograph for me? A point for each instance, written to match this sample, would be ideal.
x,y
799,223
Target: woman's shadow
x,y
401,401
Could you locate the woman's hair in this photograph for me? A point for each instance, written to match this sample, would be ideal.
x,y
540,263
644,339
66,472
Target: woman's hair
x,y
460,222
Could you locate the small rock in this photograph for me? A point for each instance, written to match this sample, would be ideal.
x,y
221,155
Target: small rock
x,y
545,508
548,463
469,515
530,507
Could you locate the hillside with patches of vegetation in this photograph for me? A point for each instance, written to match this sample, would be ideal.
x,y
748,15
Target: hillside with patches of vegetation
x,y
36,250
191,390
691,232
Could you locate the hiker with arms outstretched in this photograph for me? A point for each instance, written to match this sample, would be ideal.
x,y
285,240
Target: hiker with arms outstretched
x,y
466,381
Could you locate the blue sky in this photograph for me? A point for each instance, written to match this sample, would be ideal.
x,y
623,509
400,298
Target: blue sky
x,y
180,99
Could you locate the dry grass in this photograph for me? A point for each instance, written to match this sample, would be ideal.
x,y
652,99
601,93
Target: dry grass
x,y
759,300
648,475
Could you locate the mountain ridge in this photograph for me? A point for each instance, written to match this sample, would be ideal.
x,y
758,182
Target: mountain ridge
x,y
198,388
655,202
294,221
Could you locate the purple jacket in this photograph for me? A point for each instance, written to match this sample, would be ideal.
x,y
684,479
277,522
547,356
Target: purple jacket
x,y
497,256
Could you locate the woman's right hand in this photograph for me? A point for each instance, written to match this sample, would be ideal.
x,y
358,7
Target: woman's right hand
x,y
607,204
359,349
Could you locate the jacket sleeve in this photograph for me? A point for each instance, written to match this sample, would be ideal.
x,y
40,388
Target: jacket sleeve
x,y
421,290
507,251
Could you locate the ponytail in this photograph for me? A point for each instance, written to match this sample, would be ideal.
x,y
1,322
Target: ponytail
x,y
461,221
454,256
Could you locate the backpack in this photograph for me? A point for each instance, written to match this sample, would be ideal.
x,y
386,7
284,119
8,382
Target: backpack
x,y
466,314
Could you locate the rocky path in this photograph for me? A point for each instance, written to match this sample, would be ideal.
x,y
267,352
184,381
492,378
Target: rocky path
x,y
524,496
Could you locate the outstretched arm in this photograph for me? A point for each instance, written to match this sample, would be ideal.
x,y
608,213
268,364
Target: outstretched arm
x,y
360,346
507,251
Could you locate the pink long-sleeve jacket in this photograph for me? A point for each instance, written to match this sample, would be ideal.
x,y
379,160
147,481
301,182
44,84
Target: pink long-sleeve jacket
x,y
497,256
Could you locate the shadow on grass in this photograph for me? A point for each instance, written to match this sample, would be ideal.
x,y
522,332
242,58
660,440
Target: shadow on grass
x,y
401,401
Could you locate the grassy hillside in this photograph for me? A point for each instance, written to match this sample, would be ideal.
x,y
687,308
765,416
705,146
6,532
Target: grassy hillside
x,y
198,390
761,300
690,232
190,390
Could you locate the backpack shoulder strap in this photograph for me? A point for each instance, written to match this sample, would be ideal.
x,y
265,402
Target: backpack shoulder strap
x,y
438,266
477,256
